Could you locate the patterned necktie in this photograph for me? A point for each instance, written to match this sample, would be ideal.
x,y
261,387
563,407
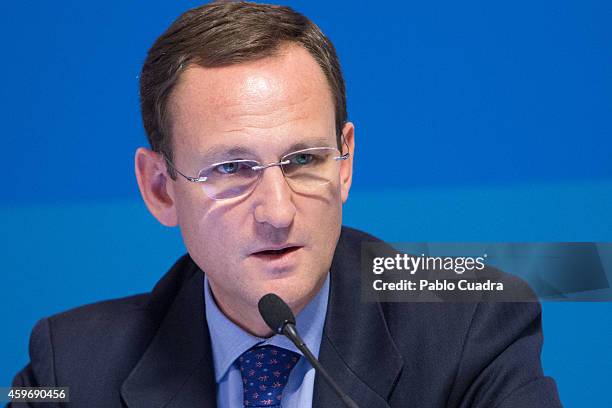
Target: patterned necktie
x,y
265,371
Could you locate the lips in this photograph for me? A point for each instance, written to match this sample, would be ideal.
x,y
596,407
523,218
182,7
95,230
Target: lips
x,y
276,258
276,252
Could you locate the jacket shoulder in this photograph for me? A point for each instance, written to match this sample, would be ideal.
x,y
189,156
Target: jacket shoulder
x,y
351,235
155,301
111,308
112,333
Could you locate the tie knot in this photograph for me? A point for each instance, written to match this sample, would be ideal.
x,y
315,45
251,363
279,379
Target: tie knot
x,y
265,371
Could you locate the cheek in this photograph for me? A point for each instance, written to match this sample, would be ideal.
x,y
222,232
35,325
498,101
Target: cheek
x,y
321,215
191,209
335,192
212,231
197,222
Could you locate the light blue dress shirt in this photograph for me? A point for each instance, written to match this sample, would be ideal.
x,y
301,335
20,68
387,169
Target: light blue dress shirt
x,y
229,341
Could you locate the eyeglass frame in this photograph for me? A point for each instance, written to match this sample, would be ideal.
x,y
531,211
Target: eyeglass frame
x,y
259,167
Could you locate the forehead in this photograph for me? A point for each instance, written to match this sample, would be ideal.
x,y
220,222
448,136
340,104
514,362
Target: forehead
x,y
267,102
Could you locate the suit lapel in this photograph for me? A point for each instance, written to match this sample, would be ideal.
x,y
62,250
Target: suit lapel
x,y
356,348
176,370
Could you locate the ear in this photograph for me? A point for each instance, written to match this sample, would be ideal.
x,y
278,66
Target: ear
x,y
155,186
346,166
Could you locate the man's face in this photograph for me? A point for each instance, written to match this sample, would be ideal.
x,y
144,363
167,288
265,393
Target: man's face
x,y
266,107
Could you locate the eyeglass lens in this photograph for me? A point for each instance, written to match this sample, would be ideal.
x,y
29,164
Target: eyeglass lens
x,y
305,171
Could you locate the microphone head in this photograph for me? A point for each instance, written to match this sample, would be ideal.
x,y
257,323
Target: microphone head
x,y
275,312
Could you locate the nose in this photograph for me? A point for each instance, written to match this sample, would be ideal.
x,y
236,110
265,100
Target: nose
x,y
274,199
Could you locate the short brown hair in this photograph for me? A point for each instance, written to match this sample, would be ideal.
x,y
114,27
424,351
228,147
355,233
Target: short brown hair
x,y
221,34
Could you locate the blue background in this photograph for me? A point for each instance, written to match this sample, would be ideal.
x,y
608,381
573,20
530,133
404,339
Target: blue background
x,y
476,121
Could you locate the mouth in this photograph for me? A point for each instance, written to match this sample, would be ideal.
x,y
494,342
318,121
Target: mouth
x,y
278,258
276,253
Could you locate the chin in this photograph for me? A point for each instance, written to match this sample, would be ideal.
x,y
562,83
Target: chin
x,y
296,293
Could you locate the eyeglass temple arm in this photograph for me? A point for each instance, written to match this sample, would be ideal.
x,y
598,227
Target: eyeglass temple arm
x,y
188,178
348,150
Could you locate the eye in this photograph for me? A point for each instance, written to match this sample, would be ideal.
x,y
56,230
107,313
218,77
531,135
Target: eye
x,y
302,158
230,167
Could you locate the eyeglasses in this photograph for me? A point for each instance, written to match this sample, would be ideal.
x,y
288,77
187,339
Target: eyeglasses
x,y
305,170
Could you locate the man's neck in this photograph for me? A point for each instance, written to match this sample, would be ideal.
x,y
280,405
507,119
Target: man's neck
x,y
247,317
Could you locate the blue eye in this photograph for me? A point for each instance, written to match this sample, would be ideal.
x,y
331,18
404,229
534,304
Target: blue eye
x,y
302,158
228,168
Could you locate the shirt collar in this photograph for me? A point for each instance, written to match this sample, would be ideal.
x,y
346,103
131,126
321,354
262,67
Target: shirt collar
x,y
229,341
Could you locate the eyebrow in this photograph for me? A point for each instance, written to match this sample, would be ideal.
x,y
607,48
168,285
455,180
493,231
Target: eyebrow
x,y
224,152
220,152
315,142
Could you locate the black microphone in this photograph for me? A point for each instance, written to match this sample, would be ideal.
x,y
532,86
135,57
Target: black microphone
x,y
279,317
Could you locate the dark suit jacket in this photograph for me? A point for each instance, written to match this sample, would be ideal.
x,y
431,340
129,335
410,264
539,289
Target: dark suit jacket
x,y
153,350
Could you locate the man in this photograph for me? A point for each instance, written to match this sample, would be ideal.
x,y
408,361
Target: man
x,y
252,155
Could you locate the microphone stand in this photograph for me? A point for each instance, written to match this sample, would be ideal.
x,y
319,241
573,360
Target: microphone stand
x,y
290,331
